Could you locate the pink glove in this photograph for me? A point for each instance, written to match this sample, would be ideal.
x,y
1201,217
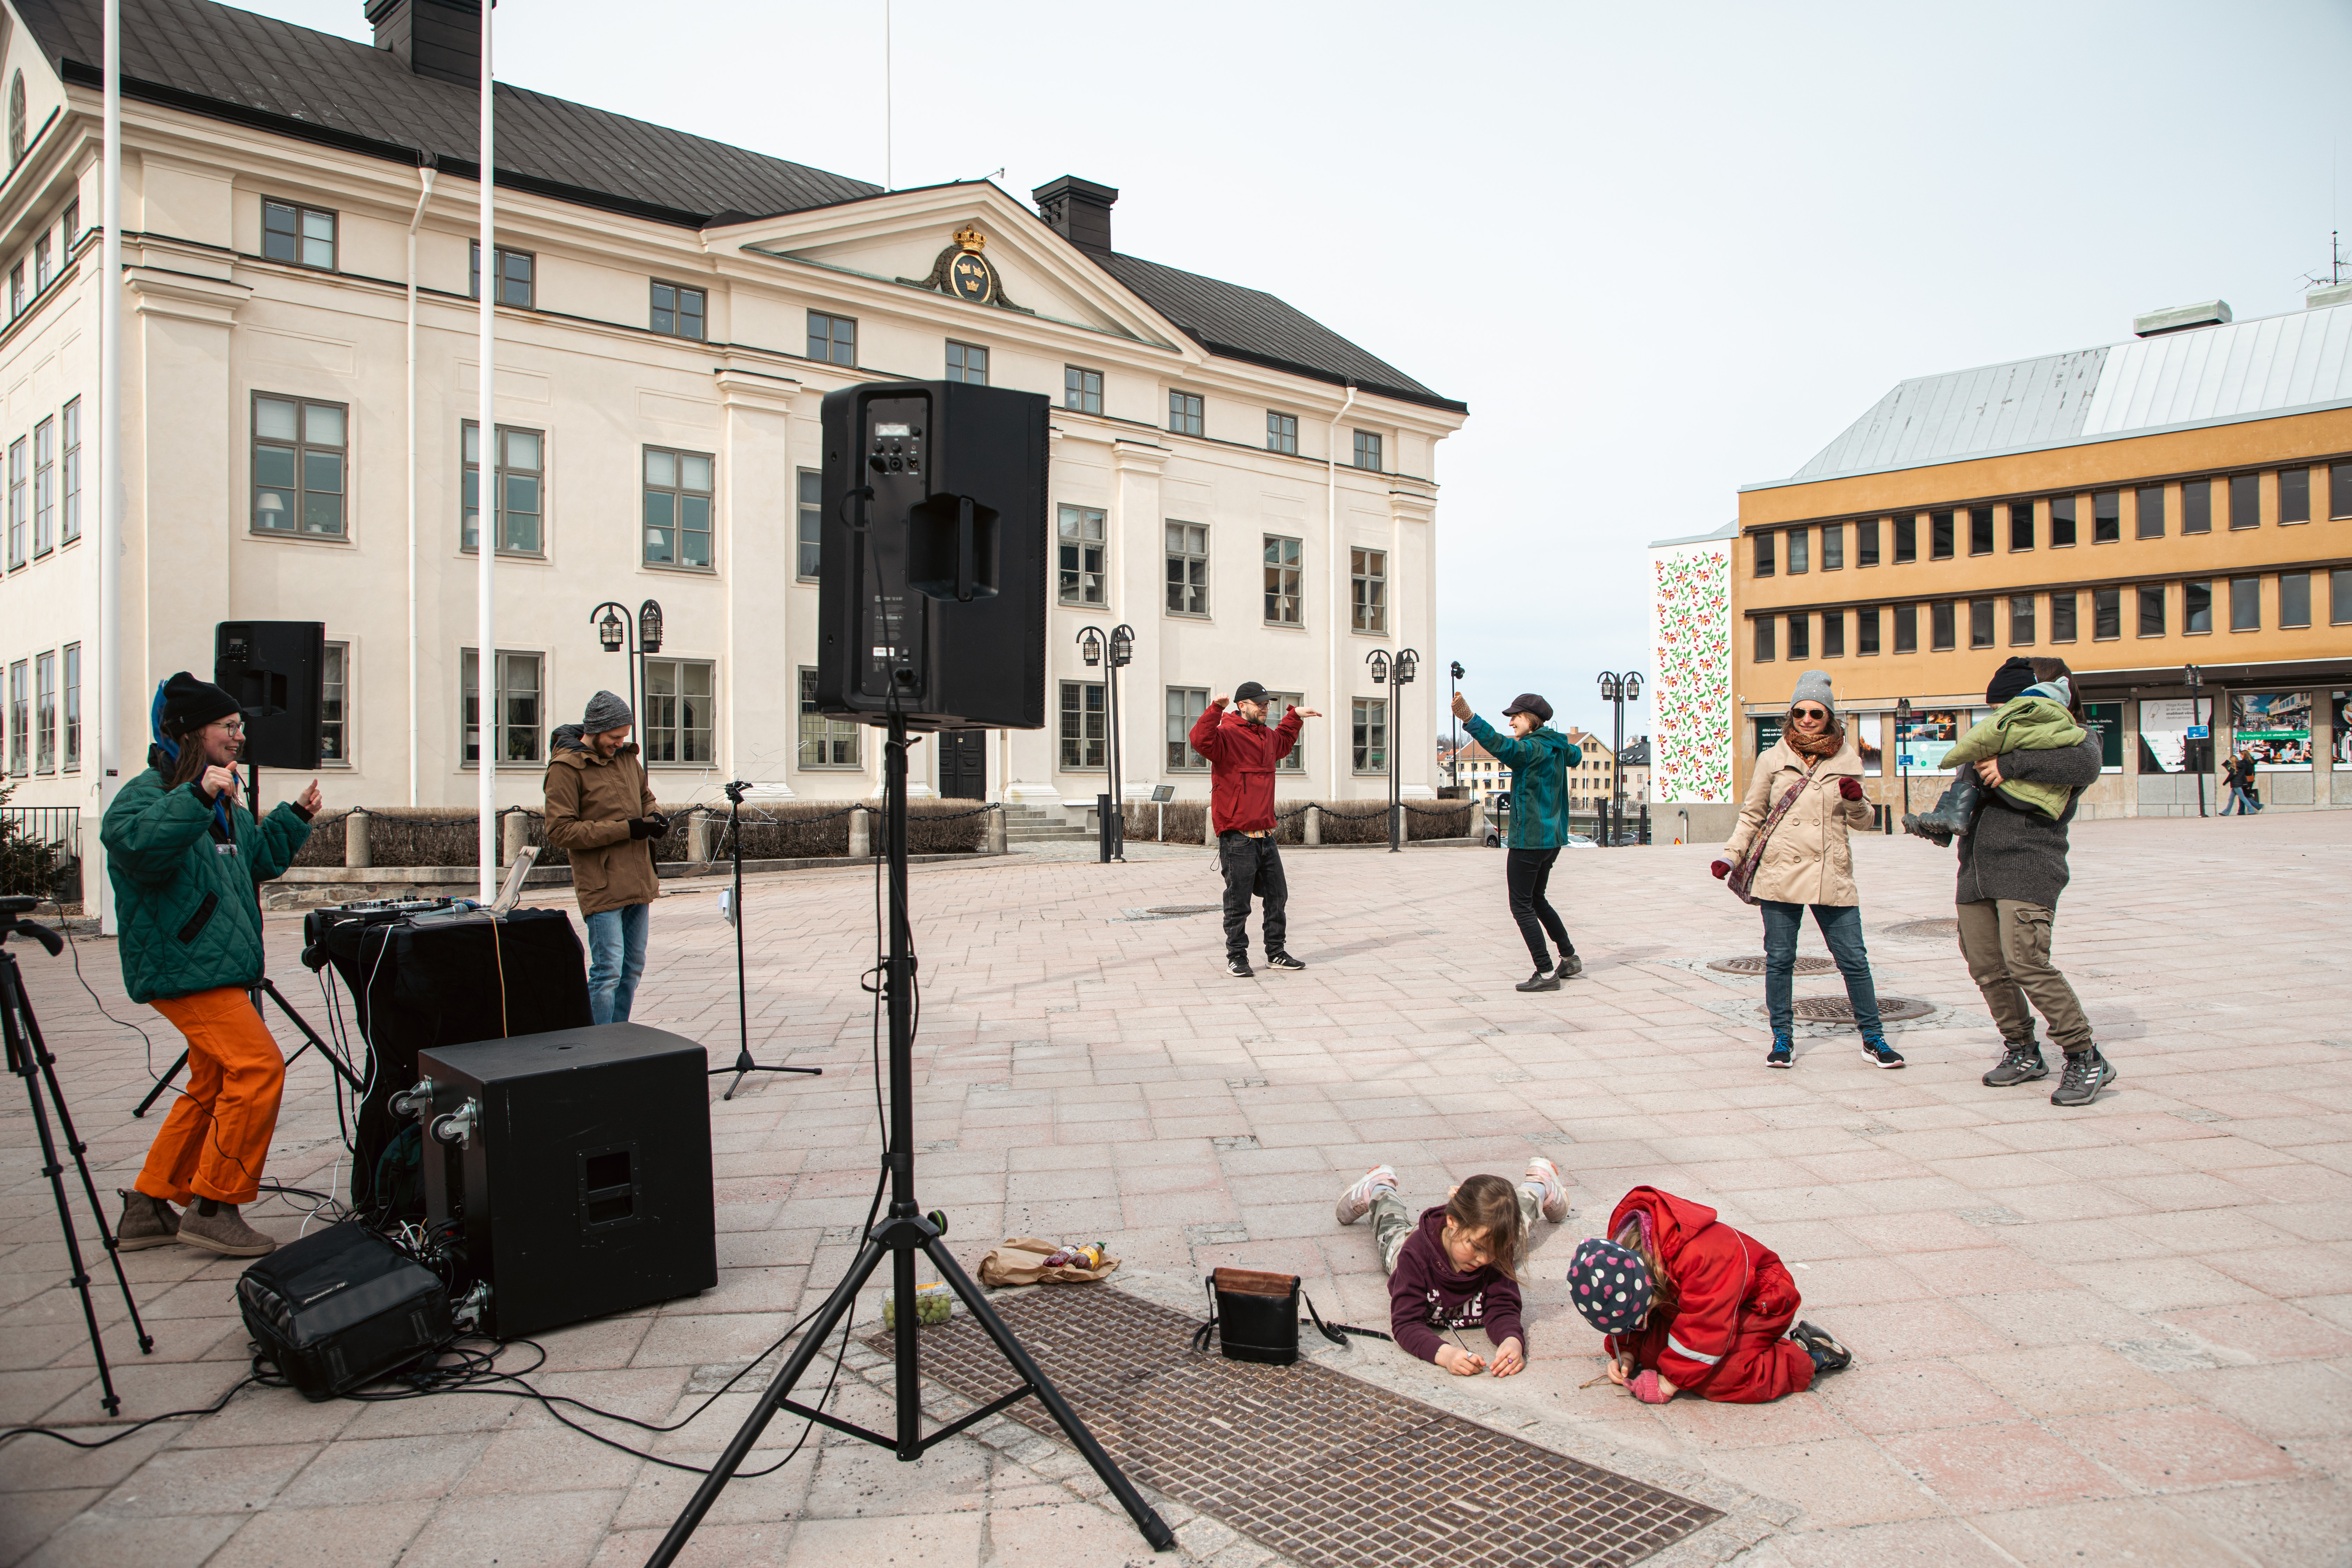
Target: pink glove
x,y
1719,869
1644,1386
1850,788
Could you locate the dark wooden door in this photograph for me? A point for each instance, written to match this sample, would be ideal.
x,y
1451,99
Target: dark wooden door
x,y
963,765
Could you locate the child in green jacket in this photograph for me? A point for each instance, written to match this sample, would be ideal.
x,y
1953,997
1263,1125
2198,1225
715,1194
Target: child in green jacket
x,y
2032,715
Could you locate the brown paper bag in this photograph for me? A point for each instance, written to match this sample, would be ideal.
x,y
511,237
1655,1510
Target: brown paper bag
x,y
1022,1261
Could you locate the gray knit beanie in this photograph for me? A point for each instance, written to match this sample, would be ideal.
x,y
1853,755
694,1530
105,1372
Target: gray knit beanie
x,y
606,712
1813,685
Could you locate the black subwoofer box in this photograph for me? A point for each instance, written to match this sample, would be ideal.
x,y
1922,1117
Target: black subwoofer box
x,y
577,1165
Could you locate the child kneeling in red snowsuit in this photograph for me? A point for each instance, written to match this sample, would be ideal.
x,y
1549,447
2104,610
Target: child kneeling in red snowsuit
x,y
1685,1302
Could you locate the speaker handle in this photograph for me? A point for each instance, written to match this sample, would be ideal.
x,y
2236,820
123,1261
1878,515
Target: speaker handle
x,y
967,551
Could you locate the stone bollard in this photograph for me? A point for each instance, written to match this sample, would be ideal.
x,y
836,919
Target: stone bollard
x,y
1478,821
514,833
861,842
1313,832
357,854
996,843
704,833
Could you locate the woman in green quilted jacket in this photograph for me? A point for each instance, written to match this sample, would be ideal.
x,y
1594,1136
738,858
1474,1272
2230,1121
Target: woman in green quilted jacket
x,y
184,857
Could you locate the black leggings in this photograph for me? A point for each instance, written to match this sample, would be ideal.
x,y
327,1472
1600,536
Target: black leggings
x,y
1530,872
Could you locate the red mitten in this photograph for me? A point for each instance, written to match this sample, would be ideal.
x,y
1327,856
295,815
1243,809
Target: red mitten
x,y
1850,788
1719,869
1645,1388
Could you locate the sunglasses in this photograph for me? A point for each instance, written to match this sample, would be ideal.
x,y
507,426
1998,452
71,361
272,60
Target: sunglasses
x,y
1812,713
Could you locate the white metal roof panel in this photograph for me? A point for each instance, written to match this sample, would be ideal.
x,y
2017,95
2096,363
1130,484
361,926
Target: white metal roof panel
x,y
1934,418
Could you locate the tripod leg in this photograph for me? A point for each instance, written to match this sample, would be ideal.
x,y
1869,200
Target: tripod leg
x,y
89,1188
161,1084
311,1037
1147,1518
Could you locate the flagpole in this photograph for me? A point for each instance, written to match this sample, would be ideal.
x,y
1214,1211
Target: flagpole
x,y
111,682
488,691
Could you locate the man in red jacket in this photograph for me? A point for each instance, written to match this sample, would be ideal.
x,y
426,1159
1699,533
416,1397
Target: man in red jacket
x,y
1242,752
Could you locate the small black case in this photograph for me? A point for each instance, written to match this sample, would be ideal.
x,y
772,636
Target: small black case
x,y
342,1308
1255,1316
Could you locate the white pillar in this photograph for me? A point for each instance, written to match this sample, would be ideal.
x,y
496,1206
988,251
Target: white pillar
x,y
486,531
109,524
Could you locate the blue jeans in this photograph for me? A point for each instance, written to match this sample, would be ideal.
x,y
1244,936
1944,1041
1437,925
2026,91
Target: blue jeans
x,y
1841,927
617,957
2241,801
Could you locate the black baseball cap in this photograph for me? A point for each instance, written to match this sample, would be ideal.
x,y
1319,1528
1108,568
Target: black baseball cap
x,y
1249,692
1528,702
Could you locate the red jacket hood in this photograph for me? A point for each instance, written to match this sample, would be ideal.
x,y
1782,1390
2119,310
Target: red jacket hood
x,y
1672,1220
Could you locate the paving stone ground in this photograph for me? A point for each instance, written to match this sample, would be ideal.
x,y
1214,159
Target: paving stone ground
x,y
2121,1333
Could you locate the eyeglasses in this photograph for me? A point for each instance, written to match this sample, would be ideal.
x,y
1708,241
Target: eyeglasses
x,y
236,729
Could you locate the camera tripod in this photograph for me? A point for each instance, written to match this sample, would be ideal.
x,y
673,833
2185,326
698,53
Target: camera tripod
x,y
898,1237
743,1064
30,1059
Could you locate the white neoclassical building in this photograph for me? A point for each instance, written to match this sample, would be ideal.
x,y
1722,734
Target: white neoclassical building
x,y
1250,492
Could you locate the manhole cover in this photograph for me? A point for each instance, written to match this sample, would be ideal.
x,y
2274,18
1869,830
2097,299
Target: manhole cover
x,y
1942,926
1806,964
1838,1010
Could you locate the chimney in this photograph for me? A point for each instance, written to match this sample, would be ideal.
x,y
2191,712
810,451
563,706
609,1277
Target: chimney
x,y
2182,318
439,38
1079,211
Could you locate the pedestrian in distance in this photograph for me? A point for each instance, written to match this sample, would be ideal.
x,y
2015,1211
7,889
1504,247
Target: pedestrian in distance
x,y
1539,759
1457,1266
1241,750
187,859
2012,869
600,813
1803,800
2240,772
1687,1304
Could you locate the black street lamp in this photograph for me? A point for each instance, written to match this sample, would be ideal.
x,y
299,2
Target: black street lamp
x,y
1618,687
640,635
1453,725
1396,673
1110,830
2196,679
1903,748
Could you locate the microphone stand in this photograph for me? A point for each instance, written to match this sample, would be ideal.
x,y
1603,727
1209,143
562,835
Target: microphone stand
x,y
743,1064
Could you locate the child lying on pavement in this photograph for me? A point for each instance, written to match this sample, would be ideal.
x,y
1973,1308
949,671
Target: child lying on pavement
x,y
2034,715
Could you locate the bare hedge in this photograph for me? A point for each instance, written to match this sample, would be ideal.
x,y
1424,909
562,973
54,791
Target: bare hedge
x,y
773,830
1344,821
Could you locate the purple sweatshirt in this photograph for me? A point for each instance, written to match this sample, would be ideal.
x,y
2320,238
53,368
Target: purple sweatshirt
x,y
1425,1294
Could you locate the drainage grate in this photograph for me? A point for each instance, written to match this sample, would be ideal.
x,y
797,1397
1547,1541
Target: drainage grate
x,y
1941,927
1306,1461
1838,1010
1806,964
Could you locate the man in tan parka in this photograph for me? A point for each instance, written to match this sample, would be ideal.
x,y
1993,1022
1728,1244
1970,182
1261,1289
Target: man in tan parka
x,y
600,812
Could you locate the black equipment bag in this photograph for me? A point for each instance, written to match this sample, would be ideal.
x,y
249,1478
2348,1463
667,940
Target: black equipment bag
x,y
342,1308
1254,1316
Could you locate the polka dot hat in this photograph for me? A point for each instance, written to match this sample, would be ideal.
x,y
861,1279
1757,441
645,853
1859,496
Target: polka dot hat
x,y
1608,1285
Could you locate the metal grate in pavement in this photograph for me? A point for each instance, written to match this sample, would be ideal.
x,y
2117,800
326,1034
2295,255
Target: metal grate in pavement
x,y
1941,927
1807,964
1321,1467
1838,1010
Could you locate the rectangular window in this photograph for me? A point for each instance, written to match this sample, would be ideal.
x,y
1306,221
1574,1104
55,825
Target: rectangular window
x,y
2062,523
825,741
1082,724
1285,580
2196,606
1980,618
1082,389
44,711
2245,500
1281,432
1080,566
1865,542
69,519
1368,451
2021,620
2106,614
1801,636
2197,506
1800,551
1185,703
1980,530
1278,703
1832,547
810,539
1832,633
2147,507
1865,629
298,466
1941,623
1906,538
678,510
519,477
44,487
73,703
518,274
1767,638
20,715
2107,516
2245,603
15,503
1184,417
1906,629
1370,572
2151,610
40,263
2339,598
1939,536
2061,618
2021,525
68,229
966,363
832,340
680,708
334,689
677,311
301,234
15,291
2339,490
2295,495
515,713
1188,569
1767,553
2294,598
1371,735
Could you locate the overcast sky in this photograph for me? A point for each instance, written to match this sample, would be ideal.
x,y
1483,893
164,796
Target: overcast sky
x,y
1661,252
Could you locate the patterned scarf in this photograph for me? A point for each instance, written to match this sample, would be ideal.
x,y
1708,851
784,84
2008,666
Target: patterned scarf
x,y
1817,748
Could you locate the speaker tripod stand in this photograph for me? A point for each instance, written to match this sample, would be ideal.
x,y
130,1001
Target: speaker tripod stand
x,y
899,1236
743,1064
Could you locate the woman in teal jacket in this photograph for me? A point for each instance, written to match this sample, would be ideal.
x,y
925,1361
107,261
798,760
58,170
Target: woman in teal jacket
x,y
184,857
1540,760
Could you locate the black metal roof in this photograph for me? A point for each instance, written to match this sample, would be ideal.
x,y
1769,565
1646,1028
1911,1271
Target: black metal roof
x,y
225,64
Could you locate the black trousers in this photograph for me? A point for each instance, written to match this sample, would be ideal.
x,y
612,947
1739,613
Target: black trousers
x,y
1252,866
1529,873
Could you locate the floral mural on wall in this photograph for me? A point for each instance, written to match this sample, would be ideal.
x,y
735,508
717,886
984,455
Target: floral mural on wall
x,y
1692,696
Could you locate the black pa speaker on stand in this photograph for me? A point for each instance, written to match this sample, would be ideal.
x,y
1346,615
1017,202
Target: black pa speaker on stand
x,y
277,670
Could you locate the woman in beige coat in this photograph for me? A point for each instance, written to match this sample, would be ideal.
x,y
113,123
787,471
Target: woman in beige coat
x,y
1807,860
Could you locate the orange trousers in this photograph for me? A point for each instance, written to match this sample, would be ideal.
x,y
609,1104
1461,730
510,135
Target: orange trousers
x,y
214,1140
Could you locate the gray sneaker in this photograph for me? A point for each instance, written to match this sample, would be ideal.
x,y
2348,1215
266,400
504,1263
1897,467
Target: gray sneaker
x,y
2022,1065
2087,1072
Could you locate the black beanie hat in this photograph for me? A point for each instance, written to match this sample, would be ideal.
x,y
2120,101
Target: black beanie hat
x,y
2010,679
189,704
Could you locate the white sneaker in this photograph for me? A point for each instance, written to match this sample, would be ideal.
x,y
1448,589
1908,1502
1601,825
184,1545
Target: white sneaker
x,y
1552,1192
1357,1201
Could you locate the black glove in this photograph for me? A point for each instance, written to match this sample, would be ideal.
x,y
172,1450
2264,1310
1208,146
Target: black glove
x,y
645,827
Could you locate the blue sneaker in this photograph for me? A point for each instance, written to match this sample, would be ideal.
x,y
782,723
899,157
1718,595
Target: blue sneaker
x,y
1876,1048
1779,1056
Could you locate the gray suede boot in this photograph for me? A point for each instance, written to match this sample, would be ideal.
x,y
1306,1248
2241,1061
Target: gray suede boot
x,y
146,1222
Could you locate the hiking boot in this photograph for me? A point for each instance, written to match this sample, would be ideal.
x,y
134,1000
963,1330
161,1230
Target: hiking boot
x,y
1542,980
2022,1065
1570,967
146,1222
223,1231
2087,1072
1238,968
1779,1056
1827,1354
1284,964
1914,823
1880,1053
1357,1201
1951,816
1551,1192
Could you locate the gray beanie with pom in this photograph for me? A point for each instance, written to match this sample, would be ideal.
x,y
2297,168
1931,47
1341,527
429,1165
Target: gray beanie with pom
x,y
606,712
1813,685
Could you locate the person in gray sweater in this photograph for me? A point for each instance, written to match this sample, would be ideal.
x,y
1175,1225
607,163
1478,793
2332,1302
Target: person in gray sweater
x,y
2012,869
